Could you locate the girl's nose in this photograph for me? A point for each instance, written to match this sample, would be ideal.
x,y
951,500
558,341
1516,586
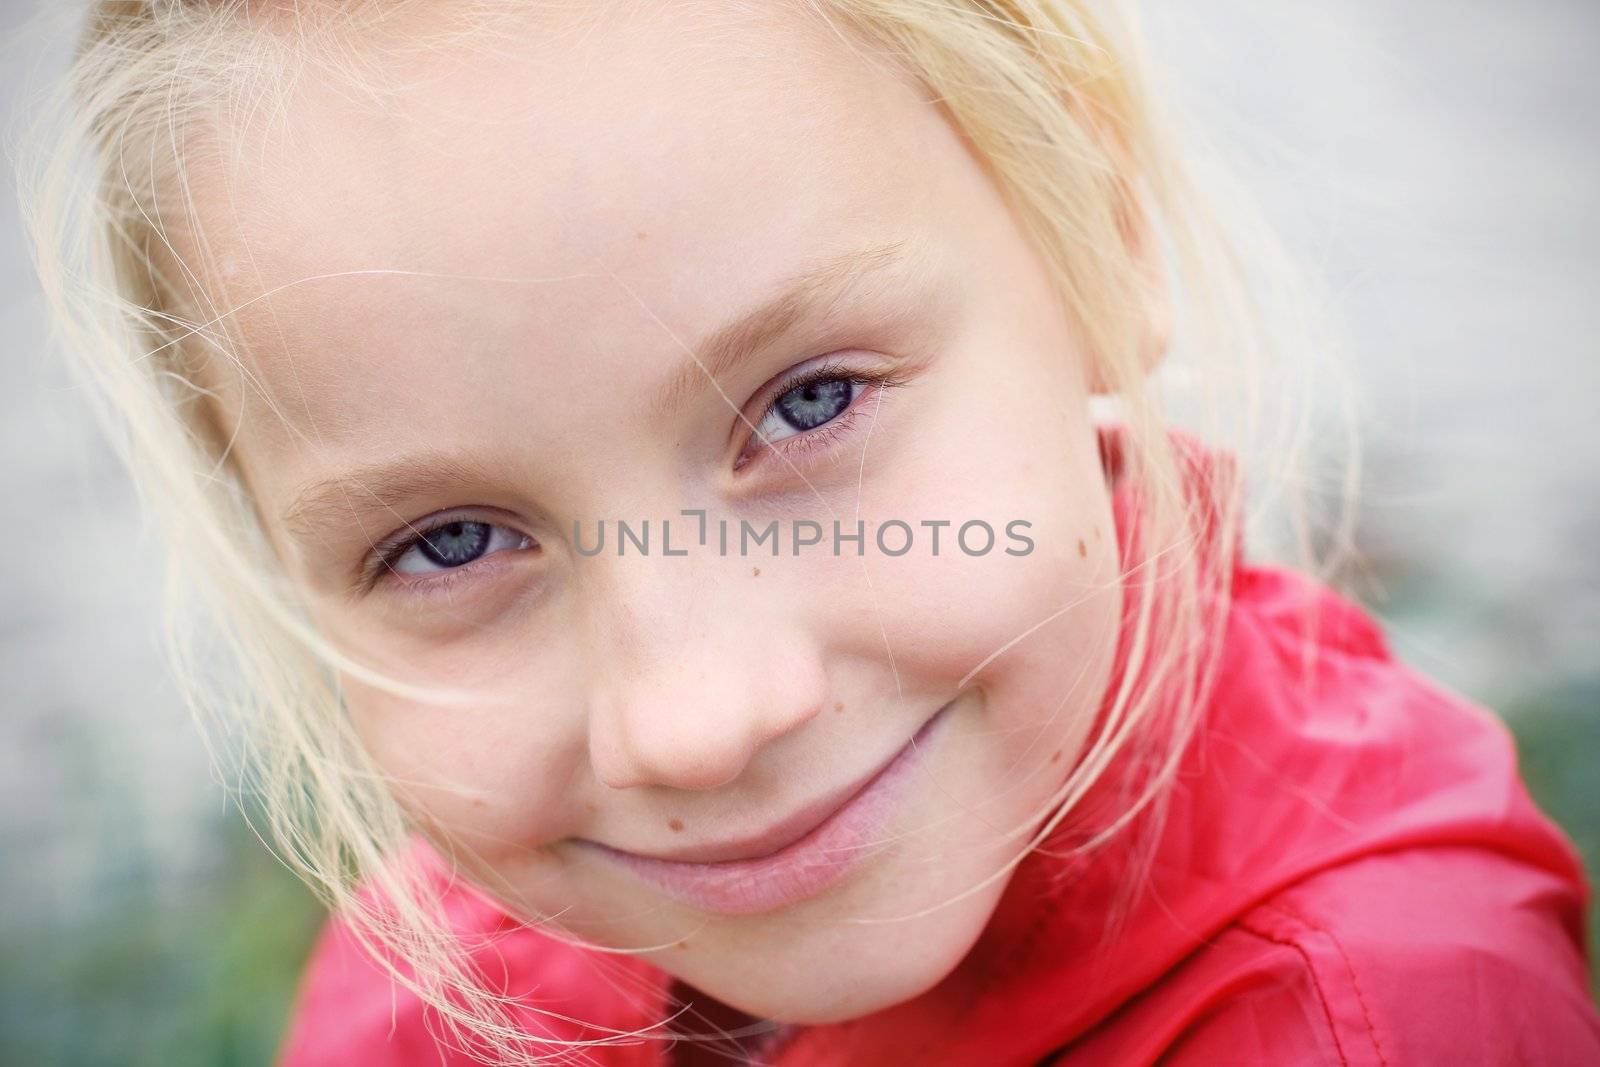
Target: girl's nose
x,y
681,701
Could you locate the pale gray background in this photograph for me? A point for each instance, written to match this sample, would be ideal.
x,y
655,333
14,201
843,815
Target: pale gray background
x,y
1436,160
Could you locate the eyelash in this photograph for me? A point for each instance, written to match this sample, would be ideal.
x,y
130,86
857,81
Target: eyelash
x,y
380,568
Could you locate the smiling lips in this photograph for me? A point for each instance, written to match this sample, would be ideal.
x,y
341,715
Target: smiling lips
x,y
795,860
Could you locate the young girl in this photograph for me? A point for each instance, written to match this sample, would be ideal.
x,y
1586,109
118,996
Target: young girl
x,y
685,503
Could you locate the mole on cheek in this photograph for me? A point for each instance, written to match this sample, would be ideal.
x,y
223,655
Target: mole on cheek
x,y
755,572
839,706
675,825
1083,549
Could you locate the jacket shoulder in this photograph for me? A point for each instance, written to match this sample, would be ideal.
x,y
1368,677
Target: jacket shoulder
x,y
1444,954
1413,957
1351,870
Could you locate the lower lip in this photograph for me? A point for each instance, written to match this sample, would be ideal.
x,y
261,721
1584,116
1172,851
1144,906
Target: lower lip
x,y
797,871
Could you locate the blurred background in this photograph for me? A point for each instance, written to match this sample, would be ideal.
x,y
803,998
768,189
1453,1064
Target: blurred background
x,y
1437,162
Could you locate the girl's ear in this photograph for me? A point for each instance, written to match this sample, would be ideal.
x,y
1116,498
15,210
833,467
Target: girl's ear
x,y
1137,229
1145,242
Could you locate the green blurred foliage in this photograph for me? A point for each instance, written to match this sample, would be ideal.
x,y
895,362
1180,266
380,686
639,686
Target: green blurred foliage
x,y
1558,737
204,978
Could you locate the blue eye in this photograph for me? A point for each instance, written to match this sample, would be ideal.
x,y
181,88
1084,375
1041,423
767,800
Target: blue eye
x,y
808,406
451,545
814,400
816,408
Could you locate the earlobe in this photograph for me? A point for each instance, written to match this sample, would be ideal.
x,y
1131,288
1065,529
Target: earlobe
x,y
1158,314
1153,297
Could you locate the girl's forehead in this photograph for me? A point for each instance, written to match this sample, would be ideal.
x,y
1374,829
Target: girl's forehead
x,y
680,122
698,152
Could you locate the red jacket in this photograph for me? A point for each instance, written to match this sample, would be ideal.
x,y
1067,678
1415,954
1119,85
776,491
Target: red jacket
x,y
1348,873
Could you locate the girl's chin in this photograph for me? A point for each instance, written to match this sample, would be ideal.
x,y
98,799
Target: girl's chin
x,y
847,970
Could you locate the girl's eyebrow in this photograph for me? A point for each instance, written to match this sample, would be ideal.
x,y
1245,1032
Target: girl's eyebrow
x,y
807,293
381,486
385,485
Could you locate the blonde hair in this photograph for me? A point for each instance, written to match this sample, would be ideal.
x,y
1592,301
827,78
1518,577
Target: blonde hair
x,y
1052,95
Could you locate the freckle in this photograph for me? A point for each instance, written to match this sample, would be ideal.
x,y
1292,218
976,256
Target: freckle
x,y
640,234
1057,757
478,802
591,806
839,706
755,572
1083,550
676,825
682,944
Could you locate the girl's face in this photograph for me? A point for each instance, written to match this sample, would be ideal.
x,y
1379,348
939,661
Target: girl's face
x,y
555,283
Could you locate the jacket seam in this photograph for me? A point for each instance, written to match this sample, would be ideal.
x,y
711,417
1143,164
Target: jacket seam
x,y
1290,941
1355,984
1316,980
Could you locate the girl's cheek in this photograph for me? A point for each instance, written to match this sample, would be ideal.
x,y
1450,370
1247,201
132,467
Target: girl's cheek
x,y
489,776
1036,573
